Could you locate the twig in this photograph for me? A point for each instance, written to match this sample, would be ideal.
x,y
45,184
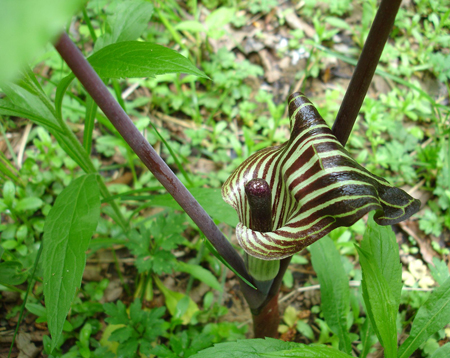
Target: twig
x,y
416,187
130,89
23,144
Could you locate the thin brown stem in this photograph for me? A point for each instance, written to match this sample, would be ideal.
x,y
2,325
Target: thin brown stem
x,y
365,69
114,112
266,322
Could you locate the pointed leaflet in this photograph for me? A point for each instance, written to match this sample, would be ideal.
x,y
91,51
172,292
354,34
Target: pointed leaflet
x,y
173,299
431,317
268,347
442,352
67,232
334,289
382,283
89,123
127,22
200,274
316,187
140,59
382,245
23,103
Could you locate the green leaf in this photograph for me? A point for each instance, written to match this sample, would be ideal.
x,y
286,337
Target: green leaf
x,y
312,351
431,317
305,329
140,59
68,229
128,349
123,334
190,25
9,192
382,282
89,123
9,109
11,273
443,352
162,262
220,17
172,299
367,338
78,155
334,289
23,103
128,21
200,274
31,204
210,199
9,244
337,22
117,313
26,27
269,347
136,315
37,309
249,348
439,270
380,241
60,91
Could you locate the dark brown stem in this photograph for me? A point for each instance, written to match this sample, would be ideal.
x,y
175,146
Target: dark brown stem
x,y
265,324
106,102
365,69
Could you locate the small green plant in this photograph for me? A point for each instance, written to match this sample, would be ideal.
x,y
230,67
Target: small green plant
x,y
137,330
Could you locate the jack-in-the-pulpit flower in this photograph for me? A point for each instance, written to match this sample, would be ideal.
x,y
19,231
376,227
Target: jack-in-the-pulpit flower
x,y
316,187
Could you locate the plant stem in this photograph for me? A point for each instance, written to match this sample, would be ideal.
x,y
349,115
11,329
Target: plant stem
x,y
266,322
114,112
365,69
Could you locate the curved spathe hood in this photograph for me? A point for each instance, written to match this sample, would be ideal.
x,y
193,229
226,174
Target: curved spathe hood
x,y
316,187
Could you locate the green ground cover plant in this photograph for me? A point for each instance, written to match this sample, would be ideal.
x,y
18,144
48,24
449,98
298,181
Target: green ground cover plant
x,y
96,251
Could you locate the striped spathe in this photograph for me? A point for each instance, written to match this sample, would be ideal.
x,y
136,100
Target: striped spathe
x,y
316,187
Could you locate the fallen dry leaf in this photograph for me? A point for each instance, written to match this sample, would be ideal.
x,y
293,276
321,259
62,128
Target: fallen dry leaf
x,y
26,348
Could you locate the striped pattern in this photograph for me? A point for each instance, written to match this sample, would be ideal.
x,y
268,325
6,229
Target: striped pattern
x,y
316,187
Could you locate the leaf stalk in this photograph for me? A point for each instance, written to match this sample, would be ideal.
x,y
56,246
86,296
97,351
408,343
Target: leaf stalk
x,y
124,125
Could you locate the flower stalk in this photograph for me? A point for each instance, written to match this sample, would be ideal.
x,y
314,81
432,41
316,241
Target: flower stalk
x,y
365,69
